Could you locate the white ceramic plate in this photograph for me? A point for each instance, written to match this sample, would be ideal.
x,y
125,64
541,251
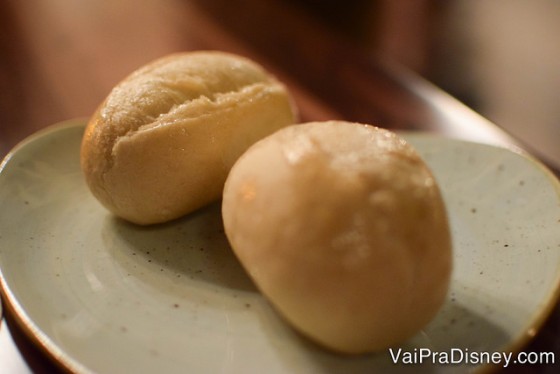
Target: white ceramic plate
x,y
105,296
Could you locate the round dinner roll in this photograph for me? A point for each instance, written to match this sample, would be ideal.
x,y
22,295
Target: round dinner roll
x,y
163,141
343,228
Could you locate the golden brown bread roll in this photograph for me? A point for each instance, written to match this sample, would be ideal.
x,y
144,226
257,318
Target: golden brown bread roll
x,y
163,141
343,228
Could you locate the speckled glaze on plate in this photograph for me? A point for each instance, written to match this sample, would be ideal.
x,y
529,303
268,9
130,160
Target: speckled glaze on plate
x,y
101,295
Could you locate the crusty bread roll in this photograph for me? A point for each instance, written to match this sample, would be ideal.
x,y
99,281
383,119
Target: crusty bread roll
x,y
343,228
163,141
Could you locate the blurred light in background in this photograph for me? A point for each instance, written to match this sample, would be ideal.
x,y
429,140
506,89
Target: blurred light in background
x,y
500,57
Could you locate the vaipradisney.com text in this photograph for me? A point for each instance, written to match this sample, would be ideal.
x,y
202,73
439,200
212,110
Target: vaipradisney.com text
x,y
459,356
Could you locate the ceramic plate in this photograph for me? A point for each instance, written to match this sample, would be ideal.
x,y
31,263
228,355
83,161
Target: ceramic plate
x,y
101,295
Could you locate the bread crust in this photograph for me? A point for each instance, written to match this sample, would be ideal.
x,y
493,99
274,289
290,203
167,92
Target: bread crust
x,y
162,142
343,228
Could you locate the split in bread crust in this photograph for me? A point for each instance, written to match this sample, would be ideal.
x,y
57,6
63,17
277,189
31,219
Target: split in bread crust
x,y
163,141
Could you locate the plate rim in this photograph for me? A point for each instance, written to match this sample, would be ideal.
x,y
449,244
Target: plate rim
x,y
66,363
11,305
552,300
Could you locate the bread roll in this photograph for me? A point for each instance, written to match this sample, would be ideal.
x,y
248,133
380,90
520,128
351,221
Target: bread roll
x,y
343,228
163,141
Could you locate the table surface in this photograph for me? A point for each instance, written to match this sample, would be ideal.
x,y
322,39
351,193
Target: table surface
x,y
58,60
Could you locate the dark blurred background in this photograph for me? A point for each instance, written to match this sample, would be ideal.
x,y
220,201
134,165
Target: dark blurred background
x,y
500,57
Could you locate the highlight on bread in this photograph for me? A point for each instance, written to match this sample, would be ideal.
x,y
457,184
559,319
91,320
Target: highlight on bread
x,y
163,141
343,228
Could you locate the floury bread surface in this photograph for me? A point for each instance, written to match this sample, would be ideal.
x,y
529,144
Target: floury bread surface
x,y
163,141
343,228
